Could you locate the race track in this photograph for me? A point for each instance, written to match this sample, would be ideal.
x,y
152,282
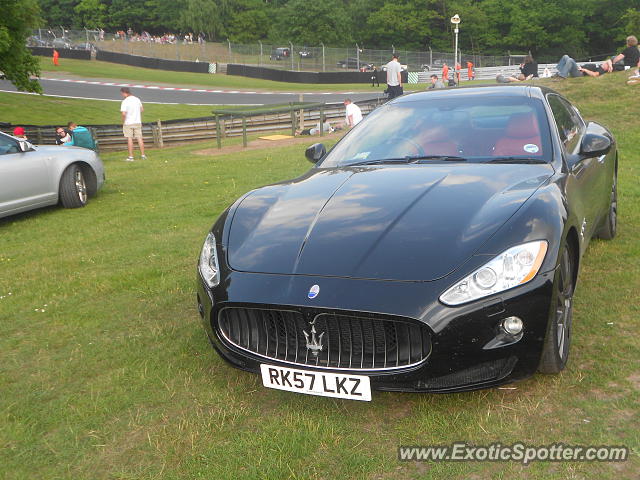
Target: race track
x,y
149,93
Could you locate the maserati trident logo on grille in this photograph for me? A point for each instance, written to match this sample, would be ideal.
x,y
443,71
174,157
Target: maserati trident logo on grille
x,y
314,343
313,292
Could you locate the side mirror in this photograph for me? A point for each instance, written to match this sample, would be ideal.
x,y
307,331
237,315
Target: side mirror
x,y
315,152
25,146
595,142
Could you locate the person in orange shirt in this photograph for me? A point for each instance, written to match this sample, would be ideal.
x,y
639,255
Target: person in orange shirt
x,y
445,73
56,55
471,75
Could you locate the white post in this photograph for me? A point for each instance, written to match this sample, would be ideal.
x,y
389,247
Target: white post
x,y
322,55
291,54
357,57
456,21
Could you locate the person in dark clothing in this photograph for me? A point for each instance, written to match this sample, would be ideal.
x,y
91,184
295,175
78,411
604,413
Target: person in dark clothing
x,y
374,77
530,67
630,55
593,70
62,136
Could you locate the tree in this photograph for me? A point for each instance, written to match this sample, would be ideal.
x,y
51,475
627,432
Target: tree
x,y
202,16
409,24
17,63
91,14
310,23
248,21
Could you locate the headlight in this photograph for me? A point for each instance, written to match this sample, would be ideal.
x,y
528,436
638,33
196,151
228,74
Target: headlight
x,y
208,264
511,268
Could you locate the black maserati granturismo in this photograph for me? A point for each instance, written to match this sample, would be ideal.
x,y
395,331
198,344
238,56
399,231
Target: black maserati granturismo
x,y
435,248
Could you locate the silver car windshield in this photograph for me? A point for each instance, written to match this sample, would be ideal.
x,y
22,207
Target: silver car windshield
x,y
475,129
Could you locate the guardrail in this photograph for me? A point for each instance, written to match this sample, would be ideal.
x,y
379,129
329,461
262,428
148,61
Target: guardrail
x,y
229,123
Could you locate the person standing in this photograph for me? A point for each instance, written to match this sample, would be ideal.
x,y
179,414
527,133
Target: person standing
x,y
445,73
471,74
394,77
131,109
374,77
56,56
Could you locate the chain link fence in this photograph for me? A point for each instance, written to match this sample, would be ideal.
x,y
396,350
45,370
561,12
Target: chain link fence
x,y
59,37
285,56
294,57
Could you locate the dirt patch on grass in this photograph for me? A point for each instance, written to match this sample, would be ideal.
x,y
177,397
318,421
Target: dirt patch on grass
x,y
260,144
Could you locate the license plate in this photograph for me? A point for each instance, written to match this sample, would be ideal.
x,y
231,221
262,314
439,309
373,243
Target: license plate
x,y
324,384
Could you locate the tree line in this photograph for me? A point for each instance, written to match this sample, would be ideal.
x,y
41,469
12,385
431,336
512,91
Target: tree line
x,y
544,27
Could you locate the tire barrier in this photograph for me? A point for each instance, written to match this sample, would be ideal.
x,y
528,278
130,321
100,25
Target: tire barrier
x,y
306,77
155,63
64,52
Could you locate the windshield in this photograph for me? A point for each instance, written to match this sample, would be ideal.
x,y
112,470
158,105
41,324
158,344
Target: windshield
x,y
479,128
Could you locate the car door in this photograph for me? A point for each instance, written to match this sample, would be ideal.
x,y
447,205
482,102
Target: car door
x,y
24,178
583,183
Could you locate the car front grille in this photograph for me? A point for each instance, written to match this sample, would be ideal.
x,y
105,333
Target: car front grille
x,y
329,340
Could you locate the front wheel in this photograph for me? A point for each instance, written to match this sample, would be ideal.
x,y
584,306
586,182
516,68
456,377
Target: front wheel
x,y
555,351
73,188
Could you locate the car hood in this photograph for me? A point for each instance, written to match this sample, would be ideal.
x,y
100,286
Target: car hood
x,y
411,223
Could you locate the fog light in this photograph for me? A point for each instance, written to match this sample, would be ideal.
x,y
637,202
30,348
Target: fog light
x,y
512,325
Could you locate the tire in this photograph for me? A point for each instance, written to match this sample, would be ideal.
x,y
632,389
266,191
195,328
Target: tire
x,y
555,351
610,226
73,188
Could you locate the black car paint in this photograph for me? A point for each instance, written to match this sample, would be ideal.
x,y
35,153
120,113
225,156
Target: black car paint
x,y
566,203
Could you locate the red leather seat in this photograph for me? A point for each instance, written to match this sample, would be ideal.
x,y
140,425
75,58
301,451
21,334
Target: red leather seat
x,y
438,141
521,137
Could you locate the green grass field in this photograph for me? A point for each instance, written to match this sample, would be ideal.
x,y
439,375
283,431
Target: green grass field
x,y
107,70
106,372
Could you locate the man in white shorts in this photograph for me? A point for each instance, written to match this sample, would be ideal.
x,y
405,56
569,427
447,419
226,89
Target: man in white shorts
x,y
131,109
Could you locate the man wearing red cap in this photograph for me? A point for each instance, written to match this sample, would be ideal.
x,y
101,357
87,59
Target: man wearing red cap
x,y
19,132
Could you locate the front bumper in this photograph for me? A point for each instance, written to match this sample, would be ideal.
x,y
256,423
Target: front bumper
x,y
469,349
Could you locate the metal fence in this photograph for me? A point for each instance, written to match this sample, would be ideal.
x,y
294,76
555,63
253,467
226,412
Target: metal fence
x,y
177,132
59,37
294,57
286,56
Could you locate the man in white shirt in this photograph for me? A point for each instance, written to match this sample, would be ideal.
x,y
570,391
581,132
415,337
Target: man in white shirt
x,y
394,77
353,115
131,109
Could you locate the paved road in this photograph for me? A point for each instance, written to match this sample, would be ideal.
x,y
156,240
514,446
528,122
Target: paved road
x,y
149,93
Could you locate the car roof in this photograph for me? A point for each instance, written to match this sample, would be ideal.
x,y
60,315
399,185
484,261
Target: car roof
x,y
534,91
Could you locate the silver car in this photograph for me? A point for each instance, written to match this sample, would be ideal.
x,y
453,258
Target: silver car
x,y
37,176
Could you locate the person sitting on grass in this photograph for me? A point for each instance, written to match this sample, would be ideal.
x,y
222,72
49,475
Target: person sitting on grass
x,y
435,83
500,78
62,136
568,67
326,128
593,70
630,55
80,137
19,132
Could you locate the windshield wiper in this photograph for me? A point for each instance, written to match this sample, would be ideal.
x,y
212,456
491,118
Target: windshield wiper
x,y
410,159
529,160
